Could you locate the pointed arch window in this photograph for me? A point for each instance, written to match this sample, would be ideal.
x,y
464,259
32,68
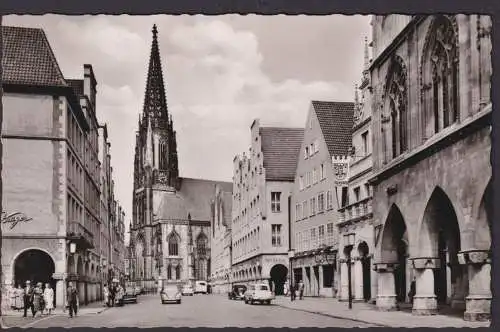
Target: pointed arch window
x,y
163,164
440,66
201,245
398,105
178,272
173,245
169,272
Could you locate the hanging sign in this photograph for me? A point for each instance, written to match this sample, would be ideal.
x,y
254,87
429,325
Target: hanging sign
x,y
340,166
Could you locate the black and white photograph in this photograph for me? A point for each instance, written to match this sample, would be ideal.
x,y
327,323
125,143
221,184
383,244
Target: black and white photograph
x,y
246,171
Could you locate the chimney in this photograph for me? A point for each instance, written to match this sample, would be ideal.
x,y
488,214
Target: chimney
x,y
89,84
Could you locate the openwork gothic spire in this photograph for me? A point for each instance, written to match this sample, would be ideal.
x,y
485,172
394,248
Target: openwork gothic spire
x,y
155,102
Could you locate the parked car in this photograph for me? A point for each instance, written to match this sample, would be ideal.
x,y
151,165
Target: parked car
x,y
237,292
138,290
187,290
130,293
170,293
201,287
259,293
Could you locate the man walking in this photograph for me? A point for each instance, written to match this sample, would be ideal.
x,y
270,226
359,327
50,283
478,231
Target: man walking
x,y
72,300
28,298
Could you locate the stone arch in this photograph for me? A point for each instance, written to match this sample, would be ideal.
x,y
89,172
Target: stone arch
x,y
278,275
365,257
439,237
34,264
483,219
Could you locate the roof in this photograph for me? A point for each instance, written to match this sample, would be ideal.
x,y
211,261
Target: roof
x,y
172,206
197,194
77,86
281,147
336,120
28,58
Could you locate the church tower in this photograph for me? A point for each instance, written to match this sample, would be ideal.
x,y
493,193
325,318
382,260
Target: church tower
x,y
155,164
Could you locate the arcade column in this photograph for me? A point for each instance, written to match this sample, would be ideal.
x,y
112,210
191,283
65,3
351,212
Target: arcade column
x,y
478,302
386,297
425,301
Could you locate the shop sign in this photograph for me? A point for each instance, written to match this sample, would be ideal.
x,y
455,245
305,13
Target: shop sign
x,y
276,260
13,219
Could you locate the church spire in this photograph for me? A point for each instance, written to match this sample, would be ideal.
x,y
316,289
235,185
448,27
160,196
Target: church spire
x,y
155,102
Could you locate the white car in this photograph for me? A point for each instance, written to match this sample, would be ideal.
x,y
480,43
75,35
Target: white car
x,y
170,293
187,290
259,293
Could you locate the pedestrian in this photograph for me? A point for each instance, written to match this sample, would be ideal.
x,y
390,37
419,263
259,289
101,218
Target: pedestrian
x,y
28,298
18,300
301,290
48,298
413,290
37,299
293,292
106,295
72,300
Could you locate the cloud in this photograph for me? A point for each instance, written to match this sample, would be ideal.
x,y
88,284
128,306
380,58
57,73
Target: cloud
x,y
220,73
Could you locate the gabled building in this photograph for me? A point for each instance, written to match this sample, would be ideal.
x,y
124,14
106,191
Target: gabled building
x,y
220,248
432,189
355,223
262,185
170,231
315,241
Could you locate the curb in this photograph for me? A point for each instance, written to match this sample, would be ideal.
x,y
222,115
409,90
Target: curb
x,y
335,316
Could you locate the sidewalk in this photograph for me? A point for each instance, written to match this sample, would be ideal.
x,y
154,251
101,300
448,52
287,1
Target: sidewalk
x,y
13,318
366,313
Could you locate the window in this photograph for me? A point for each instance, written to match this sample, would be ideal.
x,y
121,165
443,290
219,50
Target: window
x,y
309,179
345,197
201,245
329,200
301,182
178,272
275,201
313,237
297,212
306,152
322,174
315,176
356,194
276,235
173,245
367,189
321,234
329,233
321,202
169,272
316,146
311,150
364,138
397,94
305,210
313,206
328,275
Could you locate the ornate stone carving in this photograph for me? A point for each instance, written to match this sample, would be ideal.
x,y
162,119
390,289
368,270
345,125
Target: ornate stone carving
x,y
474,257
425,263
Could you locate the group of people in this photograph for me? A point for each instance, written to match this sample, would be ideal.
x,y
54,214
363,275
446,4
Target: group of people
x,y
112,293
37,298
294,289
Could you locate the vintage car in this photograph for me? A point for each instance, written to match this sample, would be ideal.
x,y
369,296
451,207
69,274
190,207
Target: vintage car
x,y
237,292
187,290
170,293
259,293
130,293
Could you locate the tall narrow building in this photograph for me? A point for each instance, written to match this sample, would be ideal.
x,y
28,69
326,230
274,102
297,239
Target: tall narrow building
x,y
170,231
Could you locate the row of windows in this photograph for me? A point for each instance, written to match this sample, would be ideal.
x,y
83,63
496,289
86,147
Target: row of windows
x,y
255,210
313,238
173,240
356,194
74,173
247,244
311,149
315,205
312,177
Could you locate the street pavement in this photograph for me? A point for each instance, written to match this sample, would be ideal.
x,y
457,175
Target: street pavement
x,y
197,311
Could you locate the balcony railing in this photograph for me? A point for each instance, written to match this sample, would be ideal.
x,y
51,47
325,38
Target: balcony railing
x,y
80,234
358,210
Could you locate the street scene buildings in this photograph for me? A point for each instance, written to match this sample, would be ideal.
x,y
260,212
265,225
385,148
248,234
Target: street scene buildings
x,y
374,208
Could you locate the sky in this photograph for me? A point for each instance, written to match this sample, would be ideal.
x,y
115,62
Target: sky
x,y
220,72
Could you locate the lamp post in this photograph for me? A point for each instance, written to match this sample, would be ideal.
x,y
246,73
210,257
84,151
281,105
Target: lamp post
x,y
72,251
349,243
291,254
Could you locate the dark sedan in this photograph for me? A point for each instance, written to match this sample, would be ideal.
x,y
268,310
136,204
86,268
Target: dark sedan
x,y
237,292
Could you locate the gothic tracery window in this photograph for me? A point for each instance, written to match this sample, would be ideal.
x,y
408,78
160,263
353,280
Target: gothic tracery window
x,y
169,272
201,245
398,105
440,76
178,272
173,245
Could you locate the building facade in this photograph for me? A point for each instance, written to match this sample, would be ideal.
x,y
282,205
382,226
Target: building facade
x,y
432,188
262,185
315,239
51,218
220,253
170,231
355,222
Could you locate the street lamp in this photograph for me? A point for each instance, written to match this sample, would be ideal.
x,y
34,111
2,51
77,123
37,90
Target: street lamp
x,y
349,243
291,254
72,247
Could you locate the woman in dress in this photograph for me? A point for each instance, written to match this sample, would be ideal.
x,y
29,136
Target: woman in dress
x,y
37,298
48,298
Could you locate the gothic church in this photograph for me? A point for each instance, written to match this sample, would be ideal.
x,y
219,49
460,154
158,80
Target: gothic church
x,y
170,230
